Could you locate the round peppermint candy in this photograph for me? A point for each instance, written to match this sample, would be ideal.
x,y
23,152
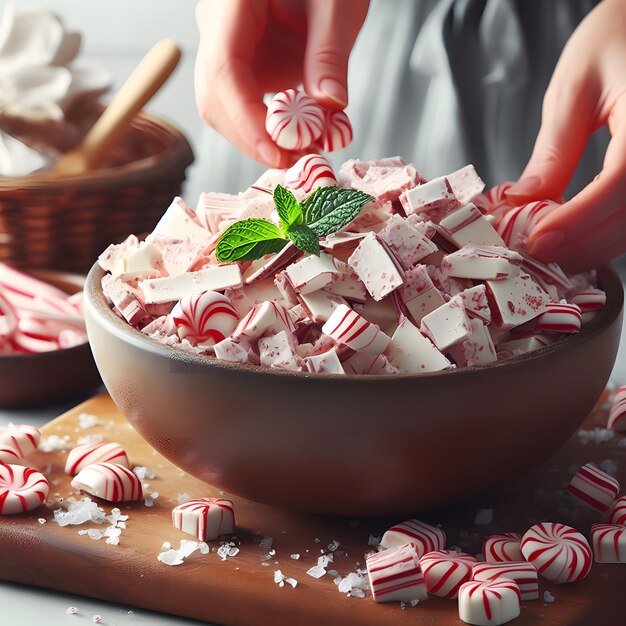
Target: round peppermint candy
x,y
310,172
21,489
337,133
294,120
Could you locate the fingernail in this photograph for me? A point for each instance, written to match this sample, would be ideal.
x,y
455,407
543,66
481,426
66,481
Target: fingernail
x,y
334,90
269,153
524,187
546,242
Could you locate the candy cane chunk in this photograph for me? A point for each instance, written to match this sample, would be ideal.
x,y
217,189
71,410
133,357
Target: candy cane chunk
x,y
312,273
81,457
205,318
609,543
172,288
489,603
325,363
482,263
408,244
418,294
348,328
180,220
109,481
205,518
617,512
309,172
376,267
396,576
17,441
434,198
594,487
467,225
503,548
589,300
515,301
524,574
477,349
320,305
558,552
294,120
448,325
560,318
125,300
337,131
426,538
445,571
617,414
515,223
21,489
267,318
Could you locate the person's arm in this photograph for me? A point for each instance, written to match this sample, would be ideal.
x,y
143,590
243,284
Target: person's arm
x,y
587,91
251,47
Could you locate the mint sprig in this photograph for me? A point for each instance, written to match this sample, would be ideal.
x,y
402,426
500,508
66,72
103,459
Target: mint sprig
x,y
325,211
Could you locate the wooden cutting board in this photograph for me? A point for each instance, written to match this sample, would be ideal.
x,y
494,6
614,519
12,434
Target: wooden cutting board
x,y
240,591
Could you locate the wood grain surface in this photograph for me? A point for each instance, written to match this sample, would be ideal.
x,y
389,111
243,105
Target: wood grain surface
x,y
240,591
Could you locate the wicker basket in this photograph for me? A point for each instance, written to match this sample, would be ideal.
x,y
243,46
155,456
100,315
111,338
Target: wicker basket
x,y
65,224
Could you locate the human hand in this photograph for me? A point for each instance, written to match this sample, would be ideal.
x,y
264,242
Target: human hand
x,y
251,47
587,91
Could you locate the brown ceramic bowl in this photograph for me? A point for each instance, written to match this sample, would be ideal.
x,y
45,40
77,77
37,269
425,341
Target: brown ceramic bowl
x,y
33,380
354,445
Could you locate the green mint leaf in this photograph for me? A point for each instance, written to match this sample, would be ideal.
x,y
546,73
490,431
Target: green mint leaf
x,y
287,207
304,238
329,209
248,240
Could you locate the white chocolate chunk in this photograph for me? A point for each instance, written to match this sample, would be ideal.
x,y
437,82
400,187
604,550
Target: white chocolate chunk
x,y
419,295
406,243
325,363
320,305
434,196
278,351
476,303
447,325
482,263
181,221
467,225
311,273
465,183
477,349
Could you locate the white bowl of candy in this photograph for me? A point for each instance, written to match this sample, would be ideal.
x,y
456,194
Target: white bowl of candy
x,y
356,342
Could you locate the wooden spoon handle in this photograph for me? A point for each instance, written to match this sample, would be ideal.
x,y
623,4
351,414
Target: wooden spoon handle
x,y
146,79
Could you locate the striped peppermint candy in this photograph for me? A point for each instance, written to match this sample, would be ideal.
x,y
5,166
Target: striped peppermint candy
x,y
445,571
617,512
514,224
489,603
523,573
109,481
294,120
267,318
205,518
609,543
594,487
348,328
589,300
503,548
396,575
337,131
205,318
21,489
617,414
559,552
496,196
17,441
310,172
82,456
425,537
560,318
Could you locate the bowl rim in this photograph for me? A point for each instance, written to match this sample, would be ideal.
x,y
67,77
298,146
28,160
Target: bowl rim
x,y
95,302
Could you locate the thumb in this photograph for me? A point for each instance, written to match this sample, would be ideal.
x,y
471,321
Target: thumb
x,y
332,30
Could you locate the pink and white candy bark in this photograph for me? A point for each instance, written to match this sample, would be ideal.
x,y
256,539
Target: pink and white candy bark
x,y
489,603
17,441
617,414
418,295
21,489
395,575
309,172
523,573
445,571
482,263
81,457
617,512
348,328
594,487
503,548
477,349
337,131
425,537
109,481
408,244
294,120
312,273
609,543
447,325
434,199
264,319
467,225
558,552
205,518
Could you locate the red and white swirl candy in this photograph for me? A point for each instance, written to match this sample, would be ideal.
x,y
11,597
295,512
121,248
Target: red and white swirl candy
x,y
205,318
523,573
503,548
21,489
594,487
427,538
589,300
489,603
17,441
559,318
109,481
82,456
310,172
348,328
515,224
294,120
609,543
337,132
496,196
558,552
396,576
445,571
205,518
617,512
617,414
